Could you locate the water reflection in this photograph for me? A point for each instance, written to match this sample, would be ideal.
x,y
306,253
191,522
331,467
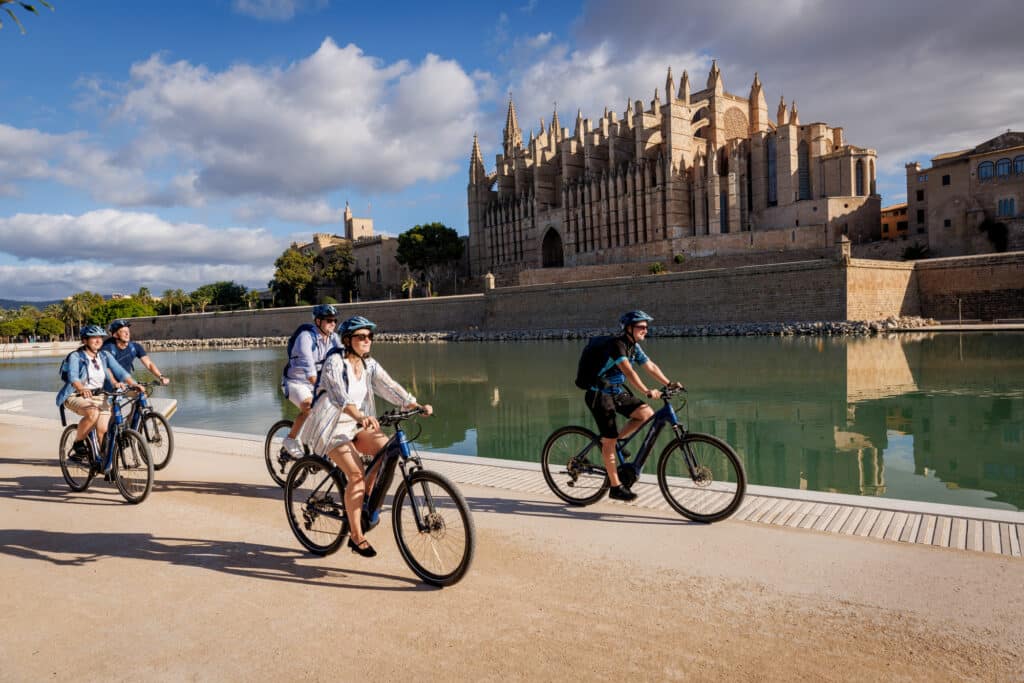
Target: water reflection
x,y
929,417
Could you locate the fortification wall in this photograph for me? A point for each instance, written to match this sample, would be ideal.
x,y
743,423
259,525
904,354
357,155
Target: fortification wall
x,y
398,315
880,289
988,287
801,291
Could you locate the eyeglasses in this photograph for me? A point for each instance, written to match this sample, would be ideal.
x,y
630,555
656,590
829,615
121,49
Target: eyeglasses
x,y
96,363
365,336
332,321
639,327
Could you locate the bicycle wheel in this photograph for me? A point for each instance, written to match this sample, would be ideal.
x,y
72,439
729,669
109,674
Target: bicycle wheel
x,y
440,548
159,439
274,453
133,467
709,491
77,474
572,465
314,504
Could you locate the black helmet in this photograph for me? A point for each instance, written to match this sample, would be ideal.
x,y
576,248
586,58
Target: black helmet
x,y
634,317
118,324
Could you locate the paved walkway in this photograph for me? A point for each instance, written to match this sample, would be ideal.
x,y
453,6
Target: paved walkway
x,y
946,526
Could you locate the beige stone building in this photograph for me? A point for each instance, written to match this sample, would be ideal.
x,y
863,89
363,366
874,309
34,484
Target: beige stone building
x,y
951,199
671,176
380,275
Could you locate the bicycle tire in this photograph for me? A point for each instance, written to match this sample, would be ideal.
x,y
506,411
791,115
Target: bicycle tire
x,y
315,506
133,467
77,475
721,487
159,439
448,544
273,451
571,457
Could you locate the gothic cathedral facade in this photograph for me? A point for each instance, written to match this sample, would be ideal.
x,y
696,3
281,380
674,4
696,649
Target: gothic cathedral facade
x,y
699,173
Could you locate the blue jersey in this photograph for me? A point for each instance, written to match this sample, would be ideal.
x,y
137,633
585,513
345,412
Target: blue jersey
x,y
619,349
125,357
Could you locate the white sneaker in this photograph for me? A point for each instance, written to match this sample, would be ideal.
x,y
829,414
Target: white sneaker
x,y
293,447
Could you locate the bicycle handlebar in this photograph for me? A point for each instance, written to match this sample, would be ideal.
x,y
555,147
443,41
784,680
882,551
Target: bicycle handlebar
x,y
394,417
670,390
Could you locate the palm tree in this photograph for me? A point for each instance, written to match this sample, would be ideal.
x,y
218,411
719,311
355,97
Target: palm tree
x,y
168,298
24,5
202,301
408,285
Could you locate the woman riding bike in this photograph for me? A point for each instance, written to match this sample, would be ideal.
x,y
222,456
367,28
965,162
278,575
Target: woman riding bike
x,y
342,422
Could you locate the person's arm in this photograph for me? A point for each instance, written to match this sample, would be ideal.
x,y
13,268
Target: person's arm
x,y
654,371
151,366
75,375
116,372
627,369
305,357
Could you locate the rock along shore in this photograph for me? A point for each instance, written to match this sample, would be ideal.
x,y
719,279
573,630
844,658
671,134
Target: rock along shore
x,y
861,328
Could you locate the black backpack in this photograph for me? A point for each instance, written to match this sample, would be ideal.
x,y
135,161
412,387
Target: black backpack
x,y
63,371
595,355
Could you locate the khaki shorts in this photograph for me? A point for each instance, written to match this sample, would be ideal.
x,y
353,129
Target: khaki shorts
x,y
80,405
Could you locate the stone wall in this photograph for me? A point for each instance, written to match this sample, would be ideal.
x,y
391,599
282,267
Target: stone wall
x,y
989,286
879,289
808,290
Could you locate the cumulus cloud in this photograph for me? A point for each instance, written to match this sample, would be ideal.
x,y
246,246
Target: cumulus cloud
x,y
339,118
276,10
909,79
313,212
54,281
129,238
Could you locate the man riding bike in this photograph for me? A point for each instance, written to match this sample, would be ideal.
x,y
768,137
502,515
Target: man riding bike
x,y
610,395
125,351
307,348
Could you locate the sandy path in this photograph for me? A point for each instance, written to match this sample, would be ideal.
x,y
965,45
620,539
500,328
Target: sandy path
x,y
205,581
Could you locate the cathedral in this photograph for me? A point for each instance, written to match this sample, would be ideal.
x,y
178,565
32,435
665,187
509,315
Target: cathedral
x,y
696,173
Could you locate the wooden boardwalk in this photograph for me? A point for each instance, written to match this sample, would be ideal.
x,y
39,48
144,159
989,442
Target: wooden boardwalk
x,y
945,526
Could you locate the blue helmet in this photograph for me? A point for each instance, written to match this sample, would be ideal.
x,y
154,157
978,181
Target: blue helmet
x,y
118,324
356,322
634,317
324,311
91,331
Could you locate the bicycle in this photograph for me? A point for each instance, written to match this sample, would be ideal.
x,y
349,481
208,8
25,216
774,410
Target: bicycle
x,y
277,457
153,426
123,458
433,528
699,475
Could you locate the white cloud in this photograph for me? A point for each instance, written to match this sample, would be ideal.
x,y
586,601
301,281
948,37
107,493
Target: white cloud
x,y
312,212
276,10
53,281
338,118
132,239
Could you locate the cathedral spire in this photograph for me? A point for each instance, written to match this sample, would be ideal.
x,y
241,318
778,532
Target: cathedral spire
x,y
476,163
684,87
670,86
656,103
780,115
578,133
758,106
513,134
541,133
794,117
715,78
556,125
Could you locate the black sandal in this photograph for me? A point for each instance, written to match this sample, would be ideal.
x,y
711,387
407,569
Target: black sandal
x,y
362,548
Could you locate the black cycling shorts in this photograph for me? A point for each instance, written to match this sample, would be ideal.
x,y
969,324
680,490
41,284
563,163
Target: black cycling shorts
x,y
604,406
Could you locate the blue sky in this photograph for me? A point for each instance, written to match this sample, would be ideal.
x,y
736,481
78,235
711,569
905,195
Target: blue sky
x,y
170,145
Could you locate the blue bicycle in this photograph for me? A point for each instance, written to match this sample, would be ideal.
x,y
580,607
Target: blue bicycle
x,y
433,528
700,475
152,426
123,457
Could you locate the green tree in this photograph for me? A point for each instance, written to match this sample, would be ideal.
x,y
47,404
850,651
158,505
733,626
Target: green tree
x,y
121,308
409,285
294,272
226,293
143,296
432,249
49,327
252,298
336,268
10,328
200,300
8,5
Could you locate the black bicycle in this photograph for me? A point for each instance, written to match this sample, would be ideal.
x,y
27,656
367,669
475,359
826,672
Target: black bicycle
x,y
152,426
700,475
277,457
123,458
431,521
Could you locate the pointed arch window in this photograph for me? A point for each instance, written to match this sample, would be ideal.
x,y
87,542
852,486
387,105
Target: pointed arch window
x,y
859,178
804,169
770,162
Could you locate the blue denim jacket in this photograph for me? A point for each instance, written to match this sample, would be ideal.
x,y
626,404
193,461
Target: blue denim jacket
x,y
77,371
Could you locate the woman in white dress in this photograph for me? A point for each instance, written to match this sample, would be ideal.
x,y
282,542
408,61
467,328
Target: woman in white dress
x,y
343,422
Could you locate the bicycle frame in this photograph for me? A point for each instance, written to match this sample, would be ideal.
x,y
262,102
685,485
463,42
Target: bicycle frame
x,y
114,429
664,416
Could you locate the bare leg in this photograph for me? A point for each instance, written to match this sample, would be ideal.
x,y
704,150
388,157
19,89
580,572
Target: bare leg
x,y
347,458
300,418
370,443
636,420
87,422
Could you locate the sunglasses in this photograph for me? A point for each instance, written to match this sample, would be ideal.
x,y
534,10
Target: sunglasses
x,y
639,327
332,321
95,363
364,336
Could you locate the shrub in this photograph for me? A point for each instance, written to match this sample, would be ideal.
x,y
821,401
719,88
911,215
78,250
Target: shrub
x,y
657,268
679,258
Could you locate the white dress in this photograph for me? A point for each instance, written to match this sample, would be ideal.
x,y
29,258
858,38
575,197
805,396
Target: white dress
x,y
328,426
